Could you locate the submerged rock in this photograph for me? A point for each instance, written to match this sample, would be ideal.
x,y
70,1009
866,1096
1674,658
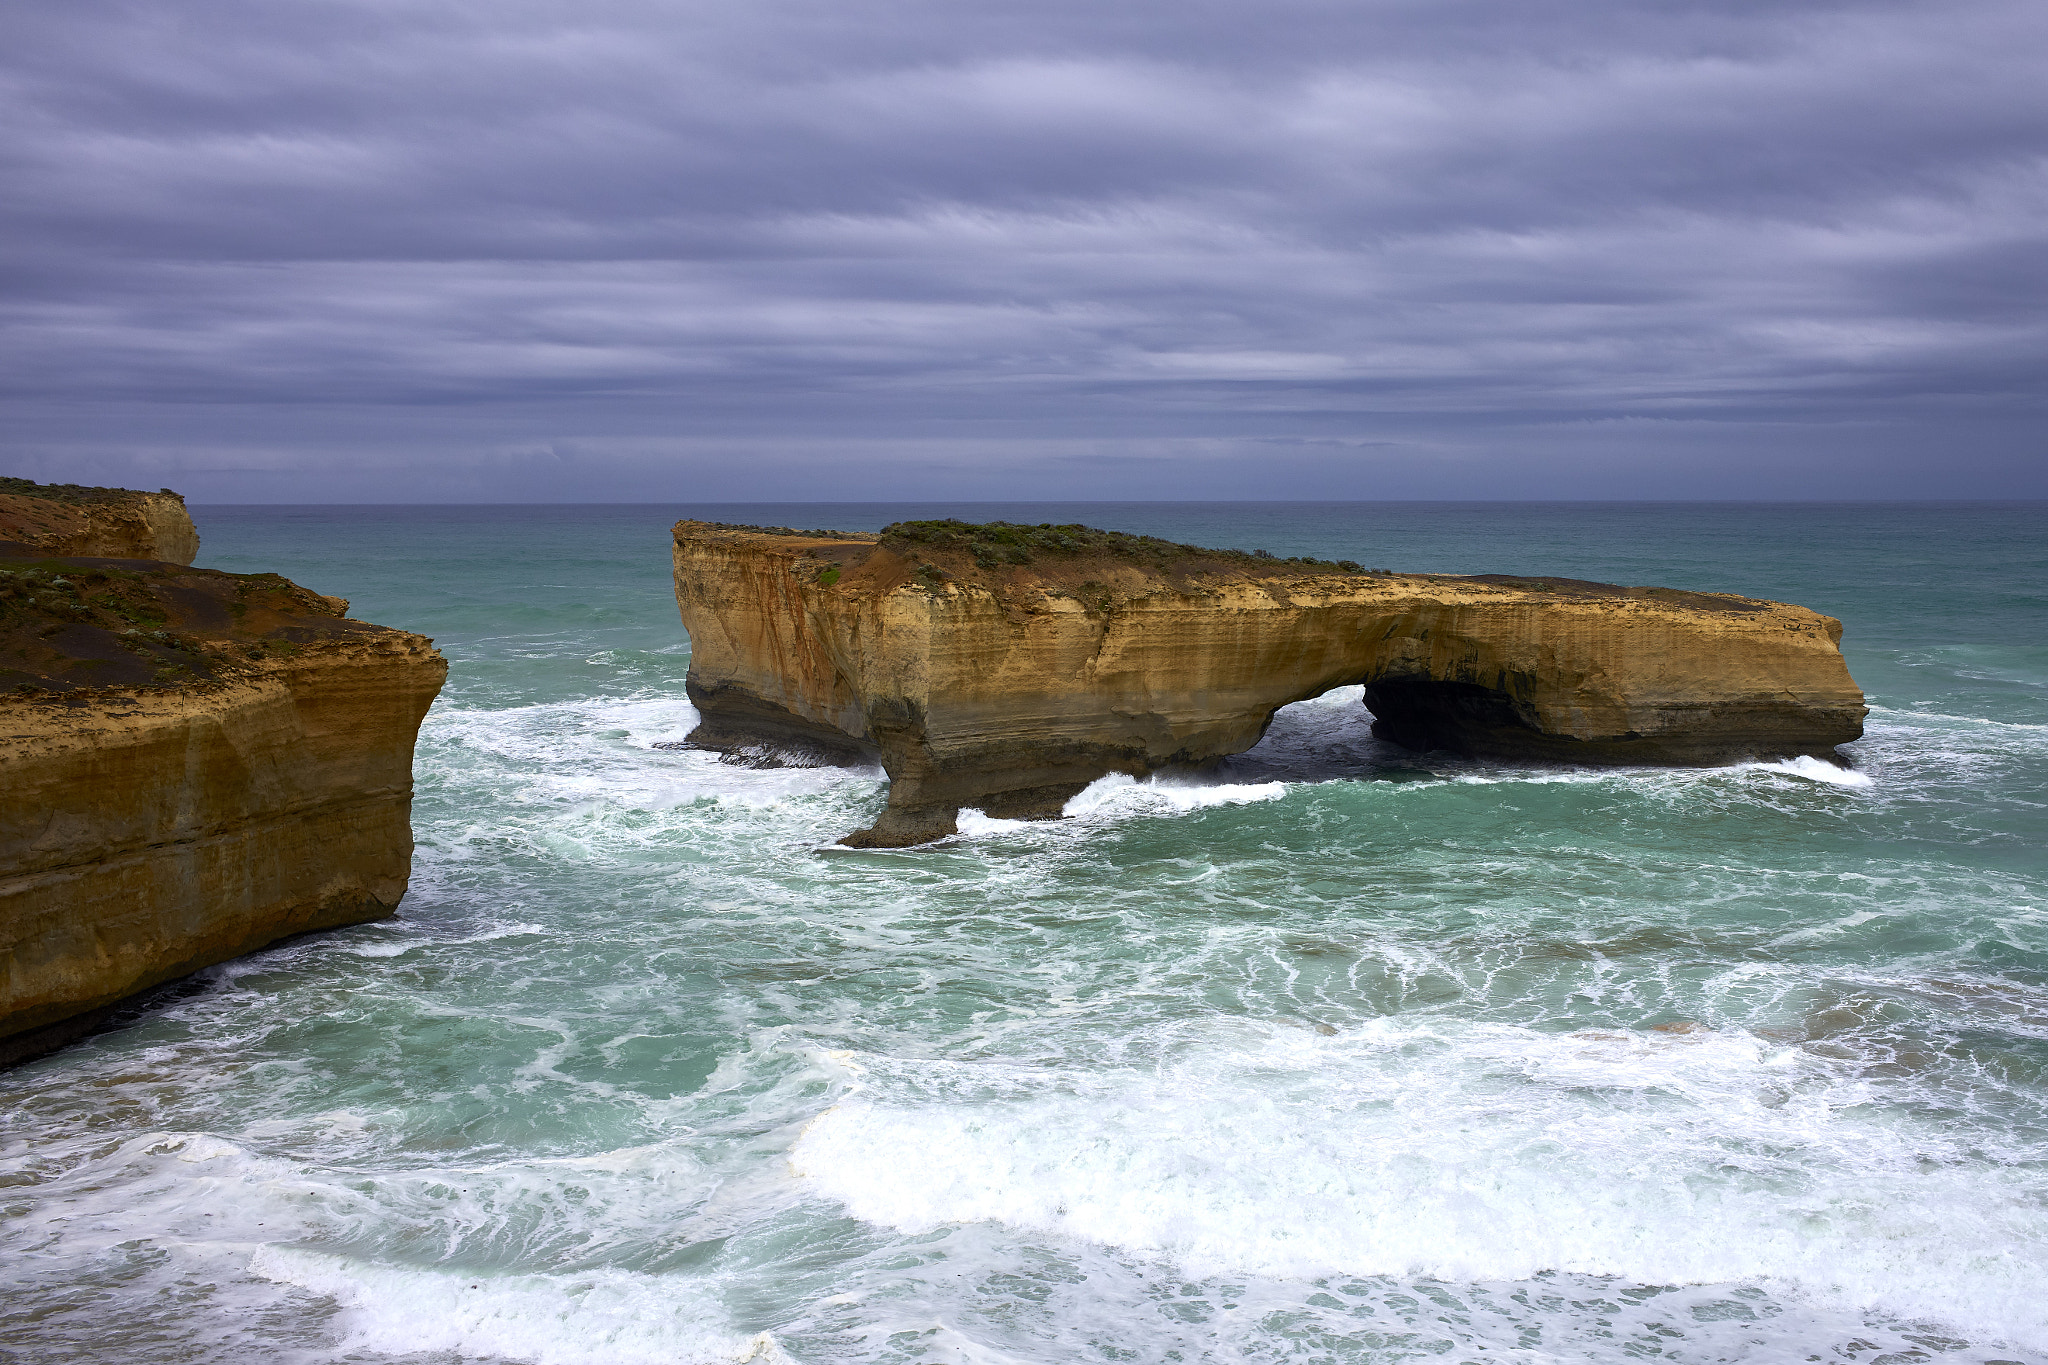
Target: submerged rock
x,y
1004,667
192,765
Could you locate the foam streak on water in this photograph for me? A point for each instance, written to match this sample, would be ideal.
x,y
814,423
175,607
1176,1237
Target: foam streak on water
x,y
1335,1053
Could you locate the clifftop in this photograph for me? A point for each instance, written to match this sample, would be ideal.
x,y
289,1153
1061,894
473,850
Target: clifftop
x,y
79,494
1018,563
997,543
73,519
81,622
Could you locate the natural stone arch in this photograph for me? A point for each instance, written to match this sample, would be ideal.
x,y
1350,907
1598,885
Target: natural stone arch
x,y
1008,687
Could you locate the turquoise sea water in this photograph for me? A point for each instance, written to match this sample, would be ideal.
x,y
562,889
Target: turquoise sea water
x,y
1344,1054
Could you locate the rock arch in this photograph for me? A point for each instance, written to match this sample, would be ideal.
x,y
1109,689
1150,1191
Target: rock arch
x,y
1008,686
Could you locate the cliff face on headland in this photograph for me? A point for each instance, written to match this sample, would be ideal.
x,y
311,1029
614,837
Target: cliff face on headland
x,y
67,519
1004,668
192,765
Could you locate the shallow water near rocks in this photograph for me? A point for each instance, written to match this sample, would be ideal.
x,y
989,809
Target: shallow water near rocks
x,y
1340,1054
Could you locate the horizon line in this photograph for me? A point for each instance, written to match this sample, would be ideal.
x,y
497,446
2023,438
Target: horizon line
x,y
1180,502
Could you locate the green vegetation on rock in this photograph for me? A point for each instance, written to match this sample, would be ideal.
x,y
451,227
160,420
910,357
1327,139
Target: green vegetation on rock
x,y
776,530
68,492
68,623
995,543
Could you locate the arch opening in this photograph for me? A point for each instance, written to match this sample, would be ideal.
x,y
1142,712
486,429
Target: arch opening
x,y
1466,718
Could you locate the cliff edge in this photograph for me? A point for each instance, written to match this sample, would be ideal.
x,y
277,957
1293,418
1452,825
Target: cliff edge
x,y
1005,667
70,519
192,765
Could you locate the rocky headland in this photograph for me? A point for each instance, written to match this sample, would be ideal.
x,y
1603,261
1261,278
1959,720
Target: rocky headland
x,y
69,519
193,765
1005,667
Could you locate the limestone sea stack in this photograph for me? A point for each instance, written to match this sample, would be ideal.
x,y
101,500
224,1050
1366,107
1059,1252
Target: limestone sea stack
x,y
68,519
1005,667
192,765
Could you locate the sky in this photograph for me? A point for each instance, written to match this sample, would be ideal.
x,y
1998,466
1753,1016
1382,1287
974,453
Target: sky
x,y
674,250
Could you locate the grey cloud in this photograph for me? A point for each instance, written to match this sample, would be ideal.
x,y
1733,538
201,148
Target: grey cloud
x,y
652,232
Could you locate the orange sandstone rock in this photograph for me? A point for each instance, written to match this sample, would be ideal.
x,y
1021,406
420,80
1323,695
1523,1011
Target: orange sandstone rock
x,y
1005,668
68,519
192,765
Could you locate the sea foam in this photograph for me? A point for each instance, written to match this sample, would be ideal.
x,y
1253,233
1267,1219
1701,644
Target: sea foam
x,y
1818,770
1456,1152
591,1317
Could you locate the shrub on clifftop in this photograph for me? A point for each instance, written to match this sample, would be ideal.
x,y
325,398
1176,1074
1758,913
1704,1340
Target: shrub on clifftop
x,y
994,543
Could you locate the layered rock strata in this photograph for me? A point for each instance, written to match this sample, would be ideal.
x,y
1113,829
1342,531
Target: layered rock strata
x,y
69,519
1004,668
192,765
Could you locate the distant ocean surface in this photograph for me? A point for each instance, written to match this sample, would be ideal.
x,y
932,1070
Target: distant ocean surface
x,y
1343,1055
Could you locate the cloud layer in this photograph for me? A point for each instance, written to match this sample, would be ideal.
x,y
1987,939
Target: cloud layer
x,y
670,248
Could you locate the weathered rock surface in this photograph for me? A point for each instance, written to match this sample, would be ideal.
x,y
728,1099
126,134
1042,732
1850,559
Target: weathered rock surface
x,y
69,519
1005,668
192,765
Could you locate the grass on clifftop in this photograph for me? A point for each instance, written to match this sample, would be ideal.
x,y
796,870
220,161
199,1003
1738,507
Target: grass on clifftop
x,y
816,534
995,543
77,623
76,493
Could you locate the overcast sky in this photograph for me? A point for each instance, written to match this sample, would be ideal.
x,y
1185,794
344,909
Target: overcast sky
x,y
623,250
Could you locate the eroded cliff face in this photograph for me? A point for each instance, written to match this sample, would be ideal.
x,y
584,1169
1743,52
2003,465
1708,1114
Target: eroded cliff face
x,y
192,765
1007,676
69,519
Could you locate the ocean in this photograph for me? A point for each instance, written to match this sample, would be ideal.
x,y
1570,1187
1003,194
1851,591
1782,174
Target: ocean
x,y
1339,1054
